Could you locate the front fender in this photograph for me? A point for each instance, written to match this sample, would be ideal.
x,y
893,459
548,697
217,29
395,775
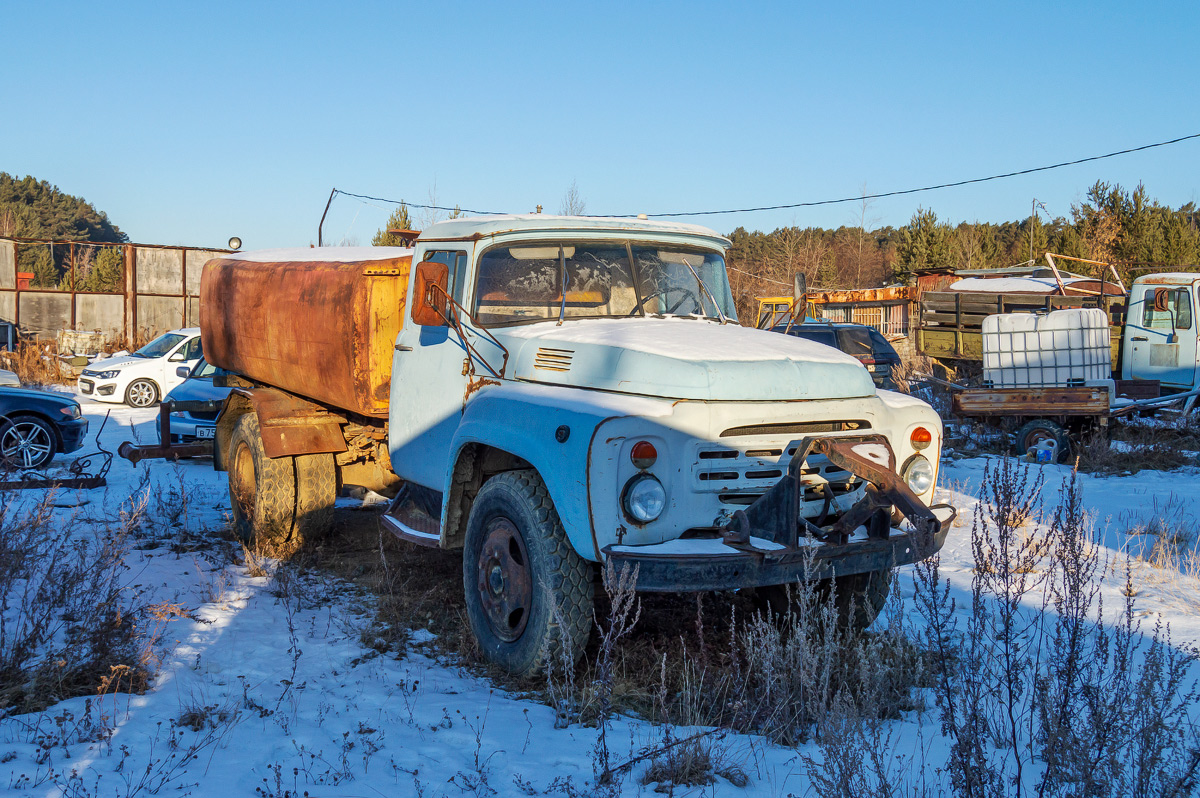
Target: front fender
x,y
524,420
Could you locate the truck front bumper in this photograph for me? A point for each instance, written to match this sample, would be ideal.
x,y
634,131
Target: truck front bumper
x,y
769,543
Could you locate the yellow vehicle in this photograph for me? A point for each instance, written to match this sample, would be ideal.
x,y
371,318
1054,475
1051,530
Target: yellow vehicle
x,y
773,310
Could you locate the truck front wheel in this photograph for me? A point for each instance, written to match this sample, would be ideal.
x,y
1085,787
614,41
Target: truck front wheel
x,y
262,491
528,594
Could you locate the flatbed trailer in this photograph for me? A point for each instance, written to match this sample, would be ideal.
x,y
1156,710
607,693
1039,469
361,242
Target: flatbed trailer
x,y
1062,414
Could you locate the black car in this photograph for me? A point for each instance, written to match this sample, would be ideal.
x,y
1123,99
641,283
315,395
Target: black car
x,y
36,425
863,342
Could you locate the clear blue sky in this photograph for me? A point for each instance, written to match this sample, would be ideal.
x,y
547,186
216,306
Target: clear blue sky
x,y
191,122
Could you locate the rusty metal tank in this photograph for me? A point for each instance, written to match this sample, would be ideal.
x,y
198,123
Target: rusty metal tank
x,y
317,322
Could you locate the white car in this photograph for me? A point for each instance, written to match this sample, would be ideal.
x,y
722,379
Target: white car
x,y
145,377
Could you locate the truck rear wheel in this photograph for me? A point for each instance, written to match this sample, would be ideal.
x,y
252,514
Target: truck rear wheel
x,y
528,594
316,491
858,598
262,490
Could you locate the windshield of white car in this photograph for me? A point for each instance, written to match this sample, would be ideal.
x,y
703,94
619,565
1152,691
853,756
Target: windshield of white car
x,y
160,346
519,284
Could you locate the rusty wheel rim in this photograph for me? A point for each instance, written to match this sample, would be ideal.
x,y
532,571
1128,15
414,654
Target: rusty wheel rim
x,y
504,581
244,481
1037,436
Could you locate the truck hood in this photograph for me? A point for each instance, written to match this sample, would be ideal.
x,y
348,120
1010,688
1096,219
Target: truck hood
x,y
682,359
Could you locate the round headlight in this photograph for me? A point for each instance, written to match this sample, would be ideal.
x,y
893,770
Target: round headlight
x,y
644,498
918,474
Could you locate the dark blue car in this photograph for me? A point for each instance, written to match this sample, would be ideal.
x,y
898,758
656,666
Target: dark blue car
x,y
36,425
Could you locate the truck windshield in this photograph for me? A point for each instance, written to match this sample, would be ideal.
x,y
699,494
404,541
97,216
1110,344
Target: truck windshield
x,y
525,283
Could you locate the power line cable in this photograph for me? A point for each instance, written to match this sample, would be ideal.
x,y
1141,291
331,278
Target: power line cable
x,y
933,188
815,203
418,205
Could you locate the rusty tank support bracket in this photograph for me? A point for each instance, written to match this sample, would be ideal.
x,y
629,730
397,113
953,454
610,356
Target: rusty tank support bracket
x,y
165,451
792,547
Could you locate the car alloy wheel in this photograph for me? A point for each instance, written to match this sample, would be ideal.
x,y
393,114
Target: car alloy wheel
x,y
141,393
26,443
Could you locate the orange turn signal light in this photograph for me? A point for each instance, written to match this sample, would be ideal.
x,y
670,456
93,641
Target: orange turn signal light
x,y
921,438
643,455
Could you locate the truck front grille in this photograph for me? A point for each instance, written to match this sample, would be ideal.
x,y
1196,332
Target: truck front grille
x,y
739,474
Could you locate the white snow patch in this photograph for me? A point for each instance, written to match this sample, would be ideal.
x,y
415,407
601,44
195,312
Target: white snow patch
x,y
321,255
873,451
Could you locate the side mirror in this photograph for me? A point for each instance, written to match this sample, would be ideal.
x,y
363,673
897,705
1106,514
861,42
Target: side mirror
x,y
176,358
429,293
183,371
799,298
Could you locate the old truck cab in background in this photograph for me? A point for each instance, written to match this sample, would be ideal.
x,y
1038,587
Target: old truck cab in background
x,y
1159,340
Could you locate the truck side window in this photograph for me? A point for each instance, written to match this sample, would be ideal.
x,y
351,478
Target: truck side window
x,y
457,262
1164,308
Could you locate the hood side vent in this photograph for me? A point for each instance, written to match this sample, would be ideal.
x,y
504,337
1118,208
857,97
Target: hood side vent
x,y
549,359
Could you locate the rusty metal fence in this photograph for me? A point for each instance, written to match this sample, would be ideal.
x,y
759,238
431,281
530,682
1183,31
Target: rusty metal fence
x,y
121,291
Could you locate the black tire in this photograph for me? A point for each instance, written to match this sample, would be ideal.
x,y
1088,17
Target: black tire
x,y
262,491
858,598
316,491
514,534
1041,429
27,442
141,393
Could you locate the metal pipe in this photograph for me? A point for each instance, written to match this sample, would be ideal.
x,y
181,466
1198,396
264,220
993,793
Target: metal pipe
x,y
320,226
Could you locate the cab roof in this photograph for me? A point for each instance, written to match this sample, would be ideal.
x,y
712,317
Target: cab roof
x,y
477,227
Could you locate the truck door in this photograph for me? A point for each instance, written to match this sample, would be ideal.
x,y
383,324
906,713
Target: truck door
x,y
1160,335
428,383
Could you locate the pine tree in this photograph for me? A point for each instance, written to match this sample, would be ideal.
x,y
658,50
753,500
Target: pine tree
x,y
399,220
106,273
925,243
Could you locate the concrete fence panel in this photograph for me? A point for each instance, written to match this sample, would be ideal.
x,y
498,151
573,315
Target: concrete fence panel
x,y
44,312
160,293
8,265
157,314
159,271
103,312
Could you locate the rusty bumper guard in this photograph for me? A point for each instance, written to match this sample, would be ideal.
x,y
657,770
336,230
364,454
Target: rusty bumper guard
x,y
769,543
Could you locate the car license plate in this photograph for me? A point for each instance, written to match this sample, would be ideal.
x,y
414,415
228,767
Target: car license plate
x,y
206,432
871,368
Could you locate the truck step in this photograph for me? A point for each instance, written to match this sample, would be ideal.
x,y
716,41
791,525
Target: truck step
x,y
408,519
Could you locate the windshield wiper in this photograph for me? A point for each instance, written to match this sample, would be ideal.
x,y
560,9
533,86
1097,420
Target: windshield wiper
x,y
704,288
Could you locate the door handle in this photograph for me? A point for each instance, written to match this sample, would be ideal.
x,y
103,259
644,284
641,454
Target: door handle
x,y
1137,338
403,348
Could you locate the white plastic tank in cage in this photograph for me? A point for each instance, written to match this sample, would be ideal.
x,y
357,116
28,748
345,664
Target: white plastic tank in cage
x,y
1055,349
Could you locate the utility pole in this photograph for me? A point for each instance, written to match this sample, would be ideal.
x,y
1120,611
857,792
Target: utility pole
x,y
1032,211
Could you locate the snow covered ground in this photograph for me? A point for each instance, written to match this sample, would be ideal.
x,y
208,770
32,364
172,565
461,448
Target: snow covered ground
x,y
267,689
